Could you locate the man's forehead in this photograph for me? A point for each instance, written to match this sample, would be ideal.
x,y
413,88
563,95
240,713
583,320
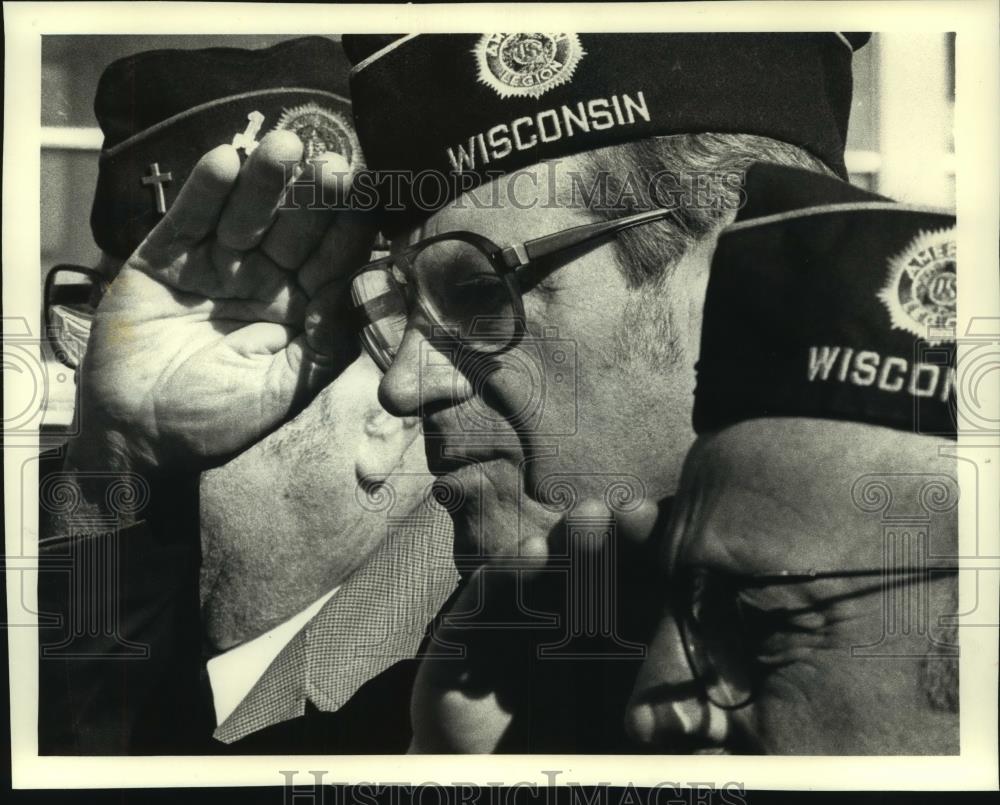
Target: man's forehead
x,y
749,506
783,492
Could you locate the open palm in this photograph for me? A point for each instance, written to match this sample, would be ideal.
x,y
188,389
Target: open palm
x,y
227,318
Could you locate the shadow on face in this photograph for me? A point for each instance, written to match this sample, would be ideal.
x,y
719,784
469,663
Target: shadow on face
x,y
808,580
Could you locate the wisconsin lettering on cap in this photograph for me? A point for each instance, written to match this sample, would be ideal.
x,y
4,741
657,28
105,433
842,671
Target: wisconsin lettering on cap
x,y
481,104
547,126
839,304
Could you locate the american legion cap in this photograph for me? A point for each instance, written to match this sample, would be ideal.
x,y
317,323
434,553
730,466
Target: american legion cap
x,y
481,105
827,301
161,110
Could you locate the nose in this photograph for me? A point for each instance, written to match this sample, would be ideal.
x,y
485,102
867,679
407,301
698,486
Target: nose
x,y
668,709
422,377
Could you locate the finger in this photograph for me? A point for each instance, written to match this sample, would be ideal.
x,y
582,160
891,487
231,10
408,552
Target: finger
x,y
242,282
318,355
328,329
260,338
307,212
469,704
588,529
593,526
195,212
639,524
667,708
252,275
346,245
259,191
308,371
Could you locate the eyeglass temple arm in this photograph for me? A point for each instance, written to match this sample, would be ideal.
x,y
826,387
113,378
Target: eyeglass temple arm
x,y
521,253
795,576
92,274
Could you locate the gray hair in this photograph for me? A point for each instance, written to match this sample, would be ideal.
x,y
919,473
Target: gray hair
x,y
700,168
705,174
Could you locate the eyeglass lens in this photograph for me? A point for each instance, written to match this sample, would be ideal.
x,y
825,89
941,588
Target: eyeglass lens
x,y
717,638
458,288
71,295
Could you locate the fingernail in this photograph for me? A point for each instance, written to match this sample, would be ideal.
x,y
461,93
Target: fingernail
x,y
641,724
686,721
718,724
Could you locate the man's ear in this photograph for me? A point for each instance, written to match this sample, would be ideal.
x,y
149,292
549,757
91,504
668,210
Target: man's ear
x,y
387,439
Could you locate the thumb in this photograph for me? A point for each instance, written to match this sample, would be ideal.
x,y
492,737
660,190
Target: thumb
x,y
638,525
330,335
260,338
310,371
592,522
289,372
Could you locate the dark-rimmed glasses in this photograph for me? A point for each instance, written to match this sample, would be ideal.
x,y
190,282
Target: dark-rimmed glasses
x,y
719,634
70,298
467,286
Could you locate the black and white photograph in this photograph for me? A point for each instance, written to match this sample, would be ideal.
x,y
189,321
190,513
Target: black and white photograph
x,y
695,464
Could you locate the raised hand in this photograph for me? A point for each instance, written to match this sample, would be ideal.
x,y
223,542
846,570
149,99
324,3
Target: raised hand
x,y
226,319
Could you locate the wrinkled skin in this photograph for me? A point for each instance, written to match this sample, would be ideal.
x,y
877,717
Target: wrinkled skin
x,y
605,417
282,523
768,495
225,320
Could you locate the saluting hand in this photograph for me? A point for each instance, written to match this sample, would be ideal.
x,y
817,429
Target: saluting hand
x,y
226,319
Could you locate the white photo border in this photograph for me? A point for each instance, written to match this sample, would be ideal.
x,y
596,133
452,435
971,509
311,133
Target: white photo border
x,y
978,205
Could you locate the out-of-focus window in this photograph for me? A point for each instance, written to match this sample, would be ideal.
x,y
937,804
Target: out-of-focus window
x,y
71,140
901,140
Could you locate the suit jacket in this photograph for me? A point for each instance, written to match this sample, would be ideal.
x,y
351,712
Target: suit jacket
x,y
121,645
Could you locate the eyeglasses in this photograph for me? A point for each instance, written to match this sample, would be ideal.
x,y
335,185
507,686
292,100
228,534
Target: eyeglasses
x,y
466,285
719,633
70,299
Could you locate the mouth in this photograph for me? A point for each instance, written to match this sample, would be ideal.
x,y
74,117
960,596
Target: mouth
x,y
444,458
450,450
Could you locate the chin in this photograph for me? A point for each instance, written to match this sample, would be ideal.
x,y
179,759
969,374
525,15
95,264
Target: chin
x,y
491,524
483,527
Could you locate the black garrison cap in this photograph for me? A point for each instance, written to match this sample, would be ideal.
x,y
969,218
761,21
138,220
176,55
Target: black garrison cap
x,y
826,301
161,110
482,104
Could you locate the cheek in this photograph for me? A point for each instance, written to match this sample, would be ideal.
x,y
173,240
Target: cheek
x,y
837,705
786,715
553,396
566,378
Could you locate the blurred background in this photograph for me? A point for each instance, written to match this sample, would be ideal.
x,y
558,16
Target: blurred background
x,y
900,141
71,140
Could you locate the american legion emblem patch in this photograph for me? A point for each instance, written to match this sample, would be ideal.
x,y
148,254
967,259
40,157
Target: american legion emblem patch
x,y
920,292
322,131
527,65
